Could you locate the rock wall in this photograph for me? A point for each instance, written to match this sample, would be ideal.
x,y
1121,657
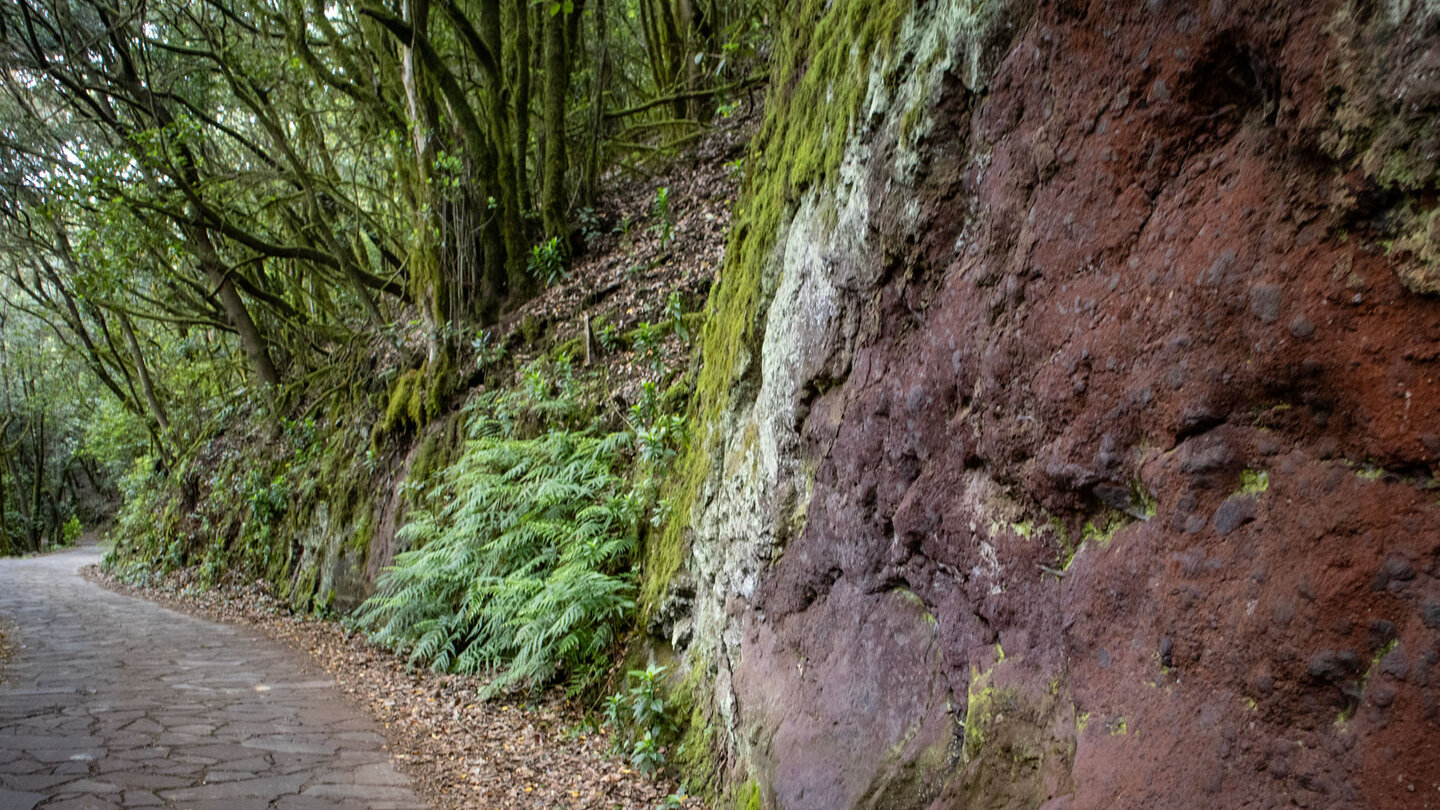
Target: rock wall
x,y
1086,455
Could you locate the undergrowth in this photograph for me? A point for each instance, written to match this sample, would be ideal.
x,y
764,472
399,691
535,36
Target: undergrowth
x,y
521,560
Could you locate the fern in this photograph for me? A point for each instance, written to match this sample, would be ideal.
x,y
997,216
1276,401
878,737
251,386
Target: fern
x,y
520,566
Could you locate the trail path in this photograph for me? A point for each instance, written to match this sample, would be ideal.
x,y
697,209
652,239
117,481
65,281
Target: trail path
x,y
113,702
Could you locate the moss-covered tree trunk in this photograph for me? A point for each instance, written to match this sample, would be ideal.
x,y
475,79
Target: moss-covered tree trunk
x,y
552,174
257,350
521,99
147,384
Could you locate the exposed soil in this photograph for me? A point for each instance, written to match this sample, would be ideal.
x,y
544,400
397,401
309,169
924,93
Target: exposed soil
x,y
459,751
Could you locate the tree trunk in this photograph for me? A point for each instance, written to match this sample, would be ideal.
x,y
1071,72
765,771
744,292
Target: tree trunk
x,y
157,408
256,349
37,431
552,174
522,99
590,176
5,547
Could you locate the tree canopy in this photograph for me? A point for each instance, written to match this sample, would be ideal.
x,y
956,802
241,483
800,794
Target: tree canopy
x,y
219,201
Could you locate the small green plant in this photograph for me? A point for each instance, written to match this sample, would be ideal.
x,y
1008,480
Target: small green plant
x,y
614,712
609,337
589,225
646,756
647,407
664,226
646,343
662,441
675,800
302,433
622,227
547,261
487,349
640,719
268,500
675,311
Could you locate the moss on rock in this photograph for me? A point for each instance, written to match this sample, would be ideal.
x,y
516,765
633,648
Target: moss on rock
x,y
820,79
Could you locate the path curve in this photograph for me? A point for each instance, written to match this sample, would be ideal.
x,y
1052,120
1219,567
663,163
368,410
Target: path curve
x,y
115,702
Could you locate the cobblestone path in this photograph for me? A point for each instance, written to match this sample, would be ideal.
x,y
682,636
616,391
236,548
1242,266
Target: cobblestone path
x,y
115,702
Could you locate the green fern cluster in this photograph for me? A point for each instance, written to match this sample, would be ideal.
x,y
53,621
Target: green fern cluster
x,y
521,566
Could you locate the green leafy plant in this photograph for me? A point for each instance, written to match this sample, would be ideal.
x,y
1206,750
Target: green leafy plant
x,y
547,261
675,311
487,349
640,718
645,340
589,225
675,800
609,337
520,566
71,531
663,440
664,225
645,755
647,407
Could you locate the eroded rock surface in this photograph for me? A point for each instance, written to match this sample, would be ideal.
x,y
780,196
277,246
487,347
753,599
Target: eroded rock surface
x,y
1092,460
114,702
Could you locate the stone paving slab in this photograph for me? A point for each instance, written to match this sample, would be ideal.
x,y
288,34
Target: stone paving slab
x,y
113,702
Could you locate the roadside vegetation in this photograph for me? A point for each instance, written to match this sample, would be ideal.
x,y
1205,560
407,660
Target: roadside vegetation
x,y
389,306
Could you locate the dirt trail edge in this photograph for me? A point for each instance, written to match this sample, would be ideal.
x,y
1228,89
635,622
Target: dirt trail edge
x,y
113,701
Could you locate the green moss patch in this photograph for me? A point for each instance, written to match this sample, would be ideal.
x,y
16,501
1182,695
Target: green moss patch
x,y
820,77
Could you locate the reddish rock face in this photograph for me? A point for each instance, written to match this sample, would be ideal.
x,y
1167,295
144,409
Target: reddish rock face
x,y
1156,289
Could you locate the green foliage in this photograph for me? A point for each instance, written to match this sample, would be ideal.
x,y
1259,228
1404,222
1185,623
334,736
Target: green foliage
x,y
590,226
143,536
520,565
676,800
547,261
675,311
664,224
658,443
488,351
609,337
640,720
645,340
71,531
